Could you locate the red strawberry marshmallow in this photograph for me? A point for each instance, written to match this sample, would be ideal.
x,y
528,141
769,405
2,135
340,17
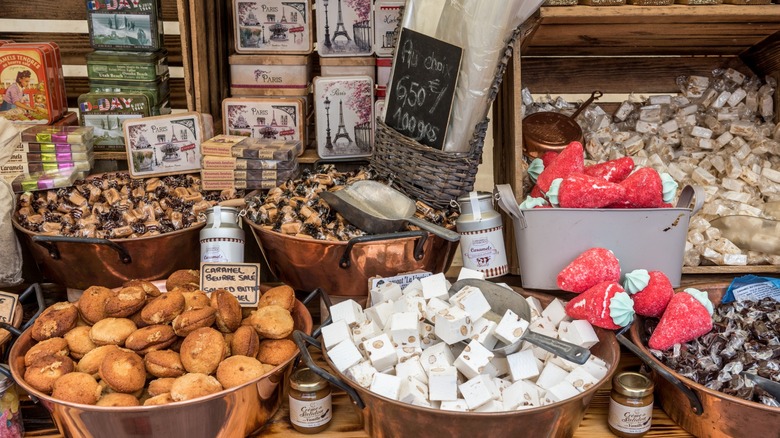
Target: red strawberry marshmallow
x,y
548,157
588,269
604,305
651,291
643,189
570,160
612,170
579,190
686,318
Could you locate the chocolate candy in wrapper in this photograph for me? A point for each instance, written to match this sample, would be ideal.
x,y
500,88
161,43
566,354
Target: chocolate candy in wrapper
x,y
54,147
46,180
281,150
61,134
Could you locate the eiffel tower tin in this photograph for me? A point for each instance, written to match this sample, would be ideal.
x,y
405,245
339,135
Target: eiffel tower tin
x,y
270,118
344,108
273,27
345,27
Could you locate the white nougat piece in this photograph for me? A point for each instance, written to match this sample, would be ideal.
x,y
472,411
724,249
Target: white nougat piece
x,y
443,383
380,313
472,301
412,368
362,373
458,405
581,379
434,307
414,392
564,364
520,394
511,328
482,331
408,303
556,312
386,385
414,288
407,353
453,326
550,376
404,329
427,335
435,286
470,273
540,353
345,355
544,325
536,307
436,356
478,390
491,406
364,331
334,333
385,292
473,360
523,365
498,367
348,311
561,391
381,352
579,332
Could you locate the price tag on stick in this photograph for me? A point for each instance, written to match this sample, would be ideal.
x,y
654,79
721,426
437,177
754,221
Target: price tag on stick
x,y
240,279
422,87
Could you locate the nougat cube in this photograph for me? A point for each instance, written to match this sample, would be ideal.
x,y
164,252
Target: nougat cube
x,y
478,390
482,331
385,292
520,393
556,312
470,273
334,333
386,385
443,383
434,307
435,286
414,392
348,311
413,289
511,327
579,332
412,367
561,391
364,331
550,376
427,335
453,326
408,303
472,301
345,355
581,379
491,406
404,329
438,355
473,360
536,307
523,365
362,373
380,313
381,351
458,405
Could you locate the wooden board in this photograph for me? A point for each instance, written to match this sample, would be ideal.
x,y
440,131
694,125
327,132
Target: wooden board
x,y
68,10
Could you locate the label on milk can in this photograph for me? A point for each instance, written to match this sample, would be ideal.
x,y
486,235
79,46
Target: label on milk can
x,y
483,251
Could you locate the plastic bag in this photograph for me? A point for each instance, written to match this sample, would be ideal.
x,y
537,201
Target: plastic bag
x,y
11,260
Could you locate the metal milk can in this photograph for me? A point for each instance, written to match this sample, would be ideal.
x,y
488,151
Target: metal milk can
x,y
481,235
222,239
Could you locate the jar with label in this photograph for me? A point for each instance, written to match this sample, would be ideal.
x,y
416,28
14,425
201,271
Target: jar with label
x,y
222,239
481,235
310,401
11,420
630,405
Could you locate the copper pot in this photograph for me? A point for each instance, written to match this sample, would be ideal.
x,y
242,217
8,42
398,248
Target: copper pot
x,y
80,262
548,131
234,412
384,417
722,415
344,268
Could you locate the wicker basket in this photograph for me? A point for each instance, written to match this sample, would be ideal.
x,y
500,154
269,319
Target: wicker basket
x,y
428,174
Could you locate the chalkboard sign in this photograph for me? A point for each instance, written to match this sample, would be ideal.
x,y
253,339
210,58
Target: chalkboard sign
x,y
422,86
240,279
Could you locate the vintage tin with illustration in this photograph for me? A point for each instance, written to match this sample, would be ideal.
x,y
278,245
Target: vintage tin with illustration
x,y
273,26
127,66
344,108
125,24
260,75
265,117
345,27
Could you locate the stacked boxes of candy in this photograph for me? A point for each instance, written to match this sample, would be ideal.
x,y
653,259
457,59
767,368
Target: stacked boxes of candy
x,y
240,162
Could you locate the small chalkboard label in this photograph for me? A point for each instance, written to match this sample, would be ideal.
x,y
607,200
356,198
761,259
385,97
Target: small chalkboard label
x,y
7,306
240,279
422,87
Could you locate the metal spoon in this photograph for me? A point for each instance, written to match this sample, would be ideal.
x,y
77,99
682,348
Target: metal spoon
x,y
501,299
767,385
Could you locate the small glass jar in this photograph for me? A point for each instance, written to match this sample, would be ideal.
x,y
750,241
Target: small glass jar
x,y
11,419
311,408
630,405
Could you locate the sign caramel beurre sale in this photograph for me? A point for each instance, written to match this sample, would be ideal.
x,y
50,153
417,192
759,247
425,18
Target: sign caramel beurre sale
x,y
240,279
7,306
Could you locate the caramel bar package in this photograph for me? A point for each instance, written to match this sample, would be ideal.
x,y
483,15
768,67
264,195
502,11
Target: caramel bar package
x,y
281,150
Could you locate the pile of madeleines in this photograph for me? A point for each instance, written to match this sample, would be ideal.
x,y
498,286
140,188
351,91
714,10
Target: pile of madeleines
x,y
136,346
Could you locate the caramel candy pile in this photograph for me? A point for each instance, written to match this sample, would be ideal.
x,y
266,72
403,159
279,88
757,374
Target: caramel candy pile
x,y
137,346
717,133
744,338
115,206
296,209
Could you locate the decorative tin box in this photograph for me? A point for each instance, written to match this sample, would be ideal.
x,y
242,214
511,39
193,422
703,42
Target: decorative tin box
x,y
273,26
387,15
106,112
344,27
266,117
158,91
127,66
125,24
352,66
30,84
164,145
344,108
256,75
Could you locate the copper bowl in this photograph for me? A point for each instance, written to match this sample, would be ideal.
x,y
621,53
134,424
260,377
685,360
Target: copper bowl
x,y
548,131
344,268
384,417
234,412
722,415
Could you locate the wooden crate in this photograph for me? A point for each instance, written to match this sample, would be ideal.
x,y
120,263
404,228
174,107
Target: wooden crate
x,y
620,50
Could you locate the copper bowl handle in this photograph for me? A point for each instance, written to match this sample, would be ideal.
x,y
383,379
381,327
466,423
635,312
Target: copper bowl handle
x,y
419,253
50,243
594,96
696,405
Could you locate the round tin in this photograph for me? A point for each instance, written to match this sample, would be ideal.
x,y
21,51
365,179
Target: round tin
x,y
222,240
481,235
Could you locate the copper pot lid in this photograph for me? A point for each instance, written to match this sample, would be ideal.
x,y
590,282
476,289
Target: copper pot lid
x,y
550,131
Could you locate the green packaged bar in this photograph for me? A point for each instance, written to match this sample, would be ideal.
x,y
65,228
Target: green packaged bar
x,y
125,25
106,65
53,147
57,134
157,90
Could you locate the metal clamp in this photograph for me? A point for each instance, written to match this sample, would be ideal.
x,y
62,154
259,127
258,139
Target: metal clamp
x,y
419,252
50,243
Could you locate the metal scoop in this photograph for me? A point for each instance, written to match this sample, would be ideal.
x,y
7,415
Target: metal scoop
x,y
378,209
501,299
767,385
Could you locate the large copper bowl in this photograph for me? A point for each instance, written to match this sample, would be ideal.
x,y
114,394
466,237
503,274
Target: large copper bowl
x,y
384,417
234,412
723,415
344,268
